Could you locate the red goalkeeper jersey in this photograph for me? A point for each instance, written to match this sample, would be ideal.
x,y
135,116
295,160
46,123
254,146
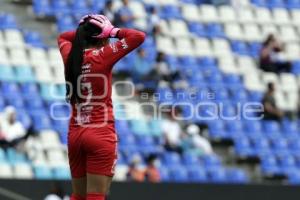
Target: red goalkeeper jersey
x,y
95,108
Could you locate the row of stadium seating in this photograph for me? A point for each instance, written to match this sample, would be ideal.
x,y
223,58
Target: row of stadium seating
x,y
214,53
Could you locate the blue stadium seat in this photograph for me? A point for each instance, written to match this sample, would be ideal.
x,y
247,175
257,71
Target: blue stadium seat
x,y
24,118
30,88
260,3
211,161
240,48
217,175
15,157
42,8
255,96
171,159
178,174
2,155
269,165
7,73
197,174
41,120
261,146
60,7
122,127
126,141
65,23
190,159
198,29
234,128
97,5
140,127
42,172
7,21
164,174
215,31
33,38
276,4
79,8
24,74
253,129
165,95
10,89
18,103
216,129
296,67
232,81
293,4
236,176
241,144
61,173
238,95
155,127
170,12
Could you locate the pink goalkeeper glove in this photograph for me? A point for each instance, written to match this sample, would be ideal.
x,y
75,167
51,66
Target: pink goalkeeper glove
x,y
101,21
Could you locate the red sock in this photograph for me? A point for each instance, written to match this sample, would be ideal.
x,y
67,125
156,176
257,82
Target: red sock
x,y
76,197
95,196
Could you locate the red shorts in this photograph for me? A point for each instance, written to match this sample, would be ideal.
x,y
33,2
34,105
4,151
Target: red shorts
x,y
92,150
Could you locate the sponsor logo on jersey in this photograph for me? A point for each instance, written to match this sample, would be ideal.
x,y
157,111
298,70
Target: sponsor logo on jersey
x,y
96,52
114,47
124,44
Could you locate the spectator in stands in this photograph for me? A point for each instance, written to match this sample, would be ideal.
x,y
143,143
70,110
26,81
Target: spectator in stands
x,y
195,143
271,111
152,173
153,19
270,60
12,130
136,170
163,70
141,67
124,15
108,11
172,134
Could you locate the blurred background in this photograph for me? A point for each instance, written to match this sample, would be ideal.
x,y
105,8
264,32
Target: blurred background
x,y
211,99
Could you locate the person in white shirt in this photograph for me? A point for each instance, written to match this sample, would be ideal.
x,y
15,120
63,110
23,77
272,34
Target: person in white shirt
x,y
196,142
12,130
172,133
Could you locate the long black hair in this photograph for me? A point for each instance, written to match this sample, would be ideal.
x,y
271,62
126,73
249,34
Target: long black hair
x,y
83,39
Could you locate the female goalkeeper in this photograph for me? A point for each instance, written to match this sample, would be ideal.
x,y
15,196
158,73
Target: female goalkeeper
x,y
92,141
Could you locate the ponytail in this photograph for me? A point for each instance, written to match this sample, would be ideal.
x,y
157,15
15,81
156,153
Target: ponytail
x,y
83,39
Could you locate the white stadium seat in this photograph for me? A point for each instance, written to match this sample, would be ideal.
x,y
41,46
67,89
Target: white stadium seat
x,y
133,110
164,27
38,57
281,102
137,9
2,42
245,16
6,170
270,77
292,99
281,16
141,23
234,31
252,33
246,65
43,74
253,82
202,47
56,157
268,29
18,57
184,47
208,13
59,76
288,82
263,16
227,14
178,28
54,57
221,47
50,139
190,12
292,51
121,172
165,44
295,16
4,60
227,65
288,34
14,38
23,171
